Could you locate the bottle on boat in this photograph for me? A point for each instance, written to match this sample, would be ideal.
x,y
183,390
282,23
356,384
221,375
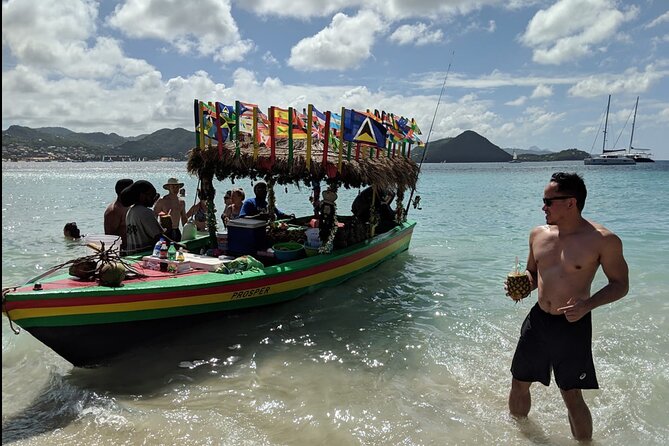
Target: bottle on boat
x,y
156,249
180,255
172,252
163,250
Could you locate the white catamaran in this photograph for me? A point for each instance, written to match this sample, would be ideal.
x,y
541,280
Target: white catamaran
x,y
609,157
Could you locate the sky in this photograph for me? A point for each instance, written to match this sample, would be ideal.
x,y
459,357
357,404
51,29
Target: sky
x,y
522,73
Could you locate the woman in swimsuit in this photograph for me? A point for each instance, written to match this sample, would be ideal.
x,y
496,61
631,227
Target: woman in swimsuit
x,y
199,212
232,211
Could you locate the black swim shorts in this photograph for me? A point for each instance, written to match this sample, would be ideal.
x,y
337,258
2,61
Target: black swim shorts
x,y
550,341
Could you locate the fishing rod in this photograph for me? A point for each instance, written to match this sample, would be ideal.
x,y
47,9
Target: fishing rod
x,y
413,189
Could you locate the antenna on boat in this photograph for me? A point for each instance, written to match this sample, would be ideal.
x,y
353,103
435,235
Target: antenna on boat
x,y
427,141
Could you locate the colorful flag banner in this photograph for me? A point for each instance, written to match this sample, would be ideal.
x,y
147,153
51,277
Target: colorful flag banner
x,y
246,117
227,120
280,123
360,128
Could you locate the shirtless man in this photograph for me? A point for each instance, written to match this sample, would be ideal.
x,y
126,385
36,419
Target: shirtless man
x,y
563,258
114,217
173,206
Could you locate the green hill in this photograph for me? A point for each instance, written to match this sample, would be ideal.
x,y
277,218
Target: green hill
x,y
467,147
173,143
59,143
564,155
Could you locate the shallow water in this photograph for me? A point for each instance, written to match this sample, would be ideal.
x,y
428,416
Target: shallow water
x,y
416,351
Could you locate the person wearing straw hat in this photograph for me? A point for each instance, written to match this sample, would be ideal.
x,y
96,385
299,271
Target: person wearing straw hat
x,y
170,205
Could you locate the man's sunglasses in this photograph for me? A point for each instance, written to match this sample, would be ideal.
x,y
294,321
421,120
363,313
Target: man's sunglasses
x,y
549,201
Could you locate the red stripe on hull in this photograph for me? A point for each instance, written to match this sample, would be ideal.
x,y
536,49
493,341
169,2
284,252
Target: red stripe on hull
x,y
204,289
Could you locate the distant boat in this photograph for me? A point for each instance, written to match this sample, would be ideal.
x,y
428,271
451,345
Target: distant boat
x,y
609,157
638,155
515,158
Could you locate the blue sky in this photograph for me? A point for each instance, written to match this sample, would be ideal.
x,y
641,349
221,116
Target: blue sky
x,y
523,72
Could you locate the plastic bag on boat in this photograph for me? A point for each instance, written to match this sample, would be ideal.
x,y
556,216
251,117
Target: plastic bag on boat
x,y
243,263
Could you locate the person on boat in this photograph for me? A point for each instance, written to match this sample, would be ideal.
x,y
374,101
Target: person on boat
x,y
199,212
257,206
227,199
170,204
564,256
71,231
114,216
232,211
143,228
362,208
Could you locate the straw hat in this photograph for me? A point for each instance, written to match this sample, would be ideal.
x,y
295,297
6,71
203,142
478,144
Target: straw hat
x,y
172,182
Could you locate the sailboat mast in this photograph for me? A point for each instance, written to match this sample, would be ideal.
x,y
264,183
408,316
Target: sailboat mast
x,y
606,124
634,122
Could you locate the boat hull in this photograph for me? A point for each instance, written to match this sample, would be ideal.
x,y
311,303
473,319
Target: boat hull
x,y
609,161
90,325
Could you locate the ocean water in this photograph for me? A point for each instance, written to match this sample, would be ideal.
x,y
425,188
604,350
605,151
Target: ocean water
x,y
414,352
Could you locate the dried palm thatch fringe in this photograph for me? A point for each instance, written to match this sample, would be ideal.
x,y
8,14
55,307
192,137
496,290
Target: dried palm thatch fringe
x,y
389,173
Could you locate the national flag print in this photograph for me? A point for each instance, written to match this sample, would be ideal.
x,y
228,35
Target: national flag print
x,y
361,128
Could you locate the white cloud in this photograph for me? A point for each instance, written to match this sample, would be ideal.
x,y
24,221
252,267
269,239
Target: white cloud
x,y
212,33
389,9
343,45
418,34
517,102
269,59
542,91
570,29
298,8
658,20
495,79
65,43
476,26
631,81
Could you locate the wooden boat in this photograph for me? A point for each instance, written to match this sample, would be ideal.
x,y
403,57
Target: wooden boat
x,y
89,324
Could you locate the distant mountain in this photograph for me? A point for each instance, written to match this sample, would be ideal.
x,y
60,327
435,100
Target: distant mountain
x,y
92,139
534,150
467,147
564,155
173,143
59,143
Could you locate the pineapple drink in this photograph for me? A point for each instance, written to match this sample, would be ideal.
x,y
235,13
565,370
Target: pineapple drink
x,y
517,283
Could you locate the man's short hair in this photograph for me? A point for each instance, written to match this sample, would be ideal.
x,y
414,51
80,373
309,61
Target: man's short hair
x,y
571,184
122,184
130,195
259,184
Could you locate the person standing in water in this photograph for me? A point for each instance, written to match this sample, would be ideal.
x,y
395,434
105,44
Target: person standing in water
x,y
114,217
564,255
170,204
143,227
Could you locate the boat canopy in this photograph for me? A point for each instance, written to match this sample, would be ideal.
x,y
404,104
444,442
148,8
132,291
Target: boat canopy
x,y
352,149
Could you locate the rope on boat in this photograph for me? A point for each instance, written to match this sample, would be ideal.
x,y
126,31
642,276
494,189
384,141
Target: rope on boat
x,y
5,292
434,117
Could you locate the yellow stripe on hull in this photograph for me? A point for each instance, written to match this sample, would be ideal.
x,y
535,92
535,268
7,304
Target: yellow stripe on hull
x,y
204,299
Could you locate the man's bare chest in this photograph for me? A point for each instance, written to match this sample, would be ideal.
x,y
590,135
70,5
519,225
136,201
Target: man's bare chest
x,y
570,254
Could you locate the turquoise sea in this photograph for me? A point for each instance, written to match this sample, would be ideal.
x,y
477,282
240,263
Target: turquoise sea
x,y
414,352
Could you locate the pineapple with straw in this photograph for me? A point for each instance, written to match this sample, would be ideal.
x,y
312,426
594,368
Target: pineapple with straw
x,y
517,283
